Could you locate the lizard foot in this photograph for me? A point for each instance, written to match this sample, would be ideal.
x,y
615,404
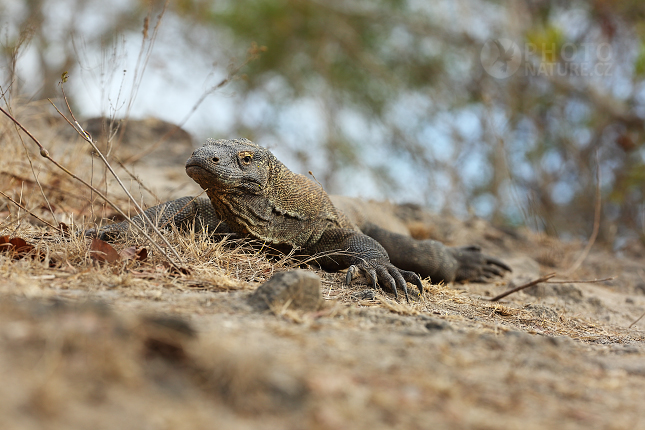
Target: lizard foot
x,y
385,273
475,266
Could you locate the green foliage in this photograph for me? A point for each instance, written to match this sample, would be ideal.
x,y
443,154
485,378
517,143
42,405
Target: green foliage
x,y
548,42
639,63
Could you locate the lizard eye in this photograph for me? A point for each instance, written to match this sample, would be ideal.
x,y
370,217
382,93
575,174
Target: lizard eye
x,y
246,158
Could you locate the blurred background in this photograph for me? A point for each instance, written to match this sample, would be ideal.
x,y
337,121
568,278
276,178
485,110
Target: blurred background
x,y
509,111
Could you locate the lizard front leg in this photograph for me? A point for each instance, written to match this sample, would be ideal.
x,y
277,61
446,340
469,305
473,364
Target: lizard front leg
x,y
347,248
181,213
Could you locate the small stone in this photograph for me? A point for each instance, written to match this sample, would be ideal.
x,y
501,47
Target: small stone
x,y
365,295
297,289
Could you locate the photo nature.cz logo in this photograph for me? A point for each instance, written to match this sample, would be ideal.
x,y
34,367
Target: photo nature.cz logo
x,y
502,58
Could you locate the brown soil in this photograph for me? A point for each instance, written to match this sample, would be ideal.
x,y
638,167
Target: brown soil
x,y
129,345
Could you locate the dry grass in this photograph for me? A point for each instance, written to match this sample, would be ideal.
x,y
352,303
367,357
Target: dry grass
x,y
134,345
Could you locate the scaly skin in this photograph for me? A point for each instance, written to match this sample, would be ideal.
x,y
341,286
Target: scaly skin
x,y
253,194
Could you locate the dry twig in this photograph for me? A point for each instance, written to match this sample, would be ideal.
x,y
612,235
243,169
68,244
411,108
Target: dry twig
x,y
522,287
546,279
582,281
138,181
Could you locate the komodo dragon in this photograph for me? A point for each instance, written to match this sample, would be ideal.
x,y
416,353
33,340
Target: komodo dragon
x,y
253,194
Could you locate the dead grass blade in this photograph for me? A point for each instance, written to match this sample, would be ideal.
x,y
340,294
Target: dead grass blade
x,y
396,307
253,54
637,320
596,225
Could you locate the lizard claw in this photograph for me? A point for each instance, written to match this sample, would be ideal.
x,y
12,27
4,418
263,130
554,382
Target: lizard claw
x,y
383,272
352,273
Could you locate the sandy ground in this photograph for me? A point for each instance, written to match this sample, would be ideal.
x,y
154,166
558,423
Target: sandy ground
x,y
130,346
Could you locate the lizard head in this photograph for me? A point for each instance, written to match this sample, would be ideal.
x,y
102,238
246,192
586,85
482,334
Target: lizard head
x,y
230,165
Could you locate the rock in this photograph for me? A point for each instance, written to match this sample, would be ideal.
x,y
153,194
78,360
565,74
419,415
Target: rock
x,y
295,289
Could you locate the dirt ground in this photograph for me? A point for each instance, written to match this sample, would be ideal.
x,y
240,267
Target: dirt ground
x,y
131,345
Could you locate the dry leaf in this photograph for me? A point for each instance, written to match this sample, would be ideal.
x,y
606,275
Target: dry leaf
x,y
142,254
64,229
103,251
134,253
176,271
19,248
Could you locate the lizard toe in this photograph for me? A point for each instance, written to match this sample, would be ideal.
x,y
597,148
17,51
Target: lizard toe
x,y
498,263
491,271
412,278
400,282
351,274
384,277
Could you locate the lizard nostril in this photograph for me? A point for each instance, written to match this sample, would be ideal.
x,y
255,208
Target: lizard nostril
x,y
215,160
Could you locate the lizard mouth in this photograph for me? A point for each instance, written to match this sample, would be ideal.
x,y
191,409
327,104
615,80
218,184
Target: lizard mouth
x,y
194,167
197,168
208,178
196,172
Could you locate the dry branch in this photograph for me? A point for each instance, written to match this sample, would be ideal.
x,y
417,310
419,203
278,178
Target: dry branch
x,y
44,153
86,136
29,212
31,166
